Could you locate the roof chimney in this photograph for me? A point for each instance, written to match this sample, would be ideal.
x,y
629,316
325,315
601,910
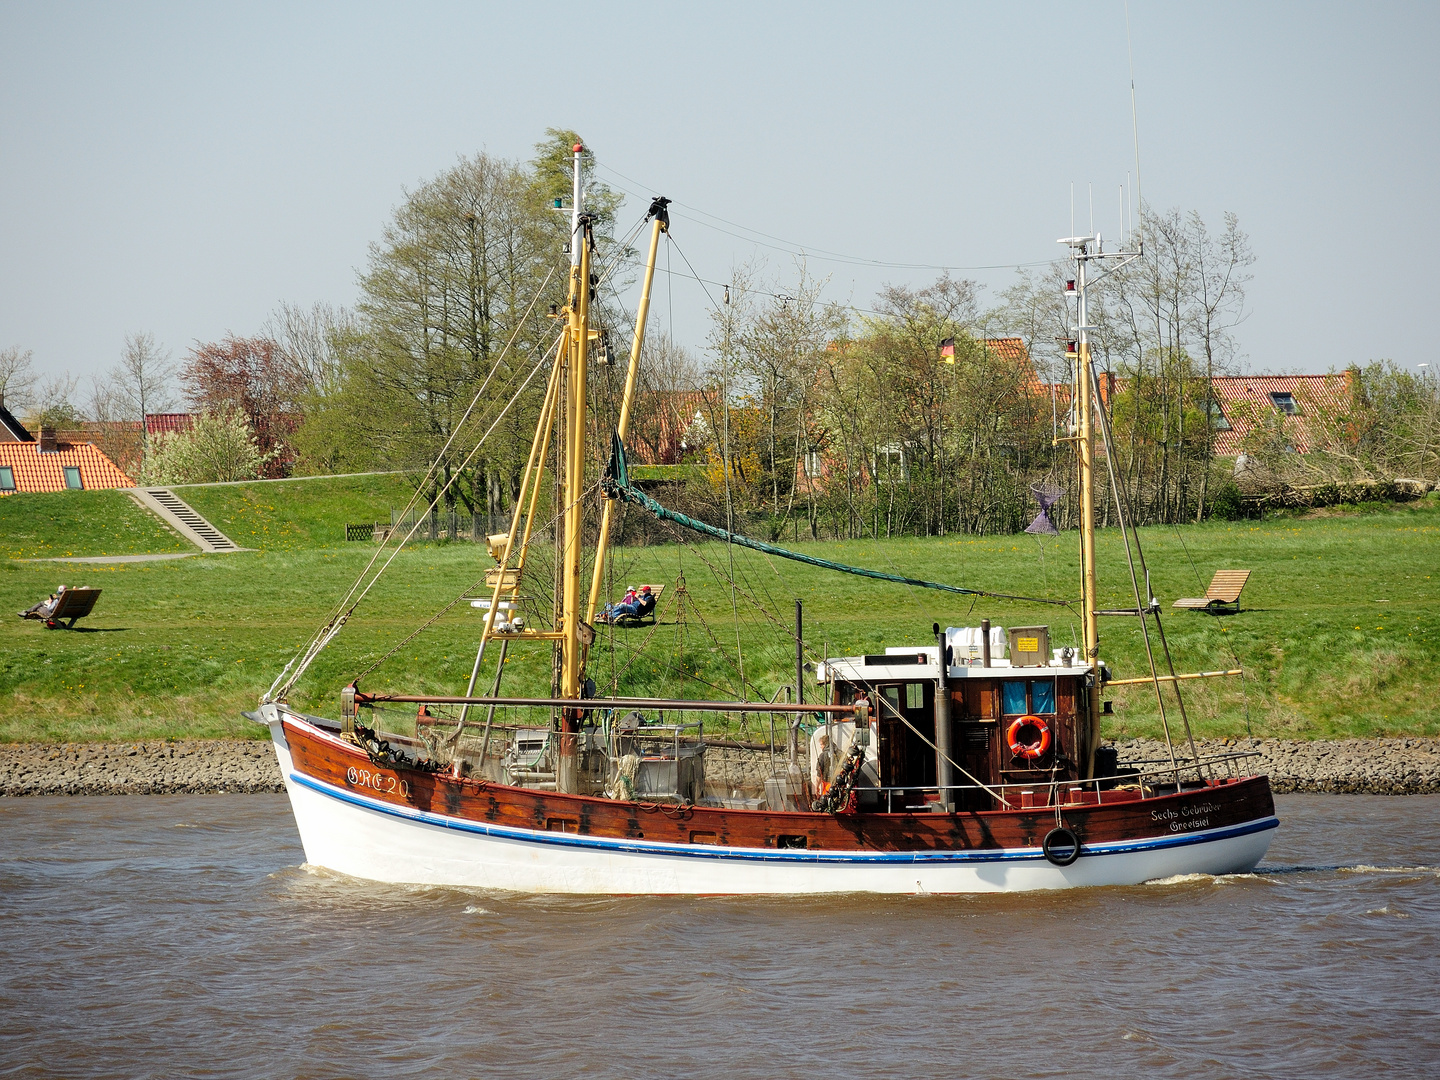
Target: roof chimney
x,y
47,439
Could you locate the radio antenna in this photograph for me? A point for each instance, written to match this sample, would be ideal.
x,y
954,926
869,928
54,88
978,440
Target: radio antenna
x,y
1134,119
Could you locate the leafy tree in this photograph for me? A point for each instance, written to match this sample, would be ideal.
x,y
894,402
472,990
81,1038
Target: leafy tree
x,y
220,446
253,377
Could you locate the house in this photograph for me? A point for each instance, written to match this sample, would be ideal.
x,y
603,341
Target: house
x,y
48,464
1300,402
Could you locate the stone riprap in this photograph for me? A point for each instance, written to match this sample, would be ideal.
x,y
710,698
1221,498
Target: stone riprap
x,y
207,766
1345,766
186,766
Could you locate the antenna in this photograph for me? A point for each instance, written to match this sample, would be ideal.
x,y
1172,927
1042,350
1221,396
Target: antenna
x,y
1072,207
1091,188
1134,120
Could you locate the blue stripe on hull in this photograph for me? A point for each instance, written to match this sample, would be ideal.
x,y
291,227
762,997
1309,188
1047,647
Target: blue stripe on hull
x,y
796,855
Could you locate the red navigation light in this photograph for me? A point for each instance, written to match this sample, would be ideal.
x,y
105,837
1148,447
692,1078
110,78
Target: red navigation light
x,y
1072,349
1070,287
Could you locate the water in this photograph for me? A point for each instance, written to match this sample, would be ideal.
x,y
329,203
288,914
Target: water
x,y
180,936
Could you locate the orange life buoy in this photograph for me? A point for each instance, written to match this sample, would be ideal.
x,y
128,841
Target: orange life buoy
x,y
1031,748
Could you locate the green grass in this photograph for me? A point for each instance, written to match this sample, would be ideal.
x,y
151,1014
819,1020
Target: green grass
x,y
64,523
1339,634
293,514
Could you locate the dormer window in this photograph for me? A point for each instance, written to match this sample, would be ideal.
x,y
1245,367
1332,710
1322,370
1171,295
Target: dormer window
x,y
1217,417
1285,402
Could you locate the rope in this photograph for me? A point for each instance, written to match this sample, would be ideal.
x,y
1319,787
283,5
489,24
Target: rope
x,y
617,484
282,685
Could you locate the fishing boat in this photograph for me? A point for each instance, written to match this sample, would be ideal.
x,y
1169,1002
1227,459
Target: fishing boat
x,y
973,764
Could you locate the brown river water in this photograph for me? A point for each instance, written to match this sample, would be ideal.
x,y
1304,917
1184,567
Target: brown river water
x,y
174,936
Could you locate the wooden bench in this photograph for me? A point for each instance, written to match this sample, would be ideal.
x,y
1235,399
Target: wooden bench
x,y
69,604
640,620
1223,594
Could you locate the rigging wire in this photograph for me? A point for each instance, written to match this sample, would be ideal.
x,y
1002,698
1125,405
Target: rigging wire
x,y
792,248
281,686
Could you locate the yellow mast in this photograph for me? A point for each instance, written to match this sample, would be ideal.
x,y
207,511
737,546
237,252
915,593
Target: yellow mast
x,y
602,546
1084,407
573,630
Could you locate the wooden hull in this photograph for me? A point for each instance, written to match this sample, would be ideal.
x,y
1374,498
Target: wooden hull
x,y
405,826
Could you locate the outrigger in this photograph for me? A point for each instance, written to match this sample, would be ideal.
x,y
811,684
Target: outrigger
x,y
971,765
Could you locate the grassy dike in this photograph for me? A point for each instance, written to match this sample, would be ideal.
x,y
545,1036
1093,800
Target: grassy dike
x,y
1340,634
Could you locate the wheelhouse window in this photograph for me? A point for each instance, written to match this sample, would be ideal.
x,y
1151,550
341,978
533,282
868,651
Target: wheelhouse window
x,y
1012,695
7,478
1035,696
72,478
1042,696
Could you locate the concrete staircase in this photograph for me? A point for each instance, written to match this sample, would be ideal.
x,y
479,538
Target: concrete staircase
x,y
176,513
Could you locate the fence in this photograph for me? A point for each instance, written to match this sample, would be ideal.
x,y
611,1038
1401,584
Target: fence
x,y
433,526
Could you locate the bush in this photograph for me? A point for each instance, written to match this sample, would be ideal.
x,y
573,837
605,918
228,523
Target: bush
x,y
219,446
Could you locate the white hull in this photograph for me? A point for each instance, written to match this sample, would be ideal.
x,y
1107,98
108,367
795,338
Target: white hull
x,y
366,838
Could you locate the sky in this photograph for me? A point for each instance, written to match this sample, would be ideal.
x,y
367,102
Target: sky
x,y
183,169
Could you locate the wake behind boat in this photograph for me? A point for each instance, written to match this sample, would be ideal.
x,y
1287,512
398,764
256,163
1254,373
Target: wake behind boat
x,y
971,765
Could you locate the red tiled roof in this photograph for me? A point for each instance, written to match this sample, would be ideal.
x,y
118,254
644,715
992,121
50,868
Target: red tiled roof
x,y
35,471
1007,348
166,422
1246,398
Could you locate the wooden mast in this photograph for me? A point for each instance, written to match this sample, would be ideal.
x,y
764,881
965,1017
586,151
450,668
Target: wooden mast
x,y
1086,434
602,544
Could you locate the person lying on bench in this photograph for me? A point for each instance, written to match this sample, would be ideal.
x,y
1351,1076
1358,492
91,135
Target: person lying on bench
x,y
626,605
46,607
633,606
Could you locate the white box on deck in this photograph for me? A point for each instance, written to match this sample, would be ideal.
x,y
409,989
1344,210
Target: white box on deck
x,y
967,643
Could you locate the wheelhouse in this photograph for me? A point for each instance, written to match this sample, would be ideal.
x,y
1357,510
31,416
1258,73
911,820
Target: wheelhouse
x,y
1014,719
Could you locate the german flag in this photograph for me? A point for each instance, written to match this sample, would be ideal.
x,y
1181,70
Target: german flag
x,y
947,350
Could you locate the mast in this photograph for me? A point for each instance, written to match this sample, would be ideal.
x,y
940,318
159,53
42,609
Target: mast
x,y
1087,249
575,355
661,217
1085,406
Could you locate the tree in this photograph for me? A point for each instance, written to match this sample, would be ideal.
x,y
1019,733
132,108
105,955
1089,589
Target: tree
x,y
53,405
17,378
142,383
253,377
448,285
219,447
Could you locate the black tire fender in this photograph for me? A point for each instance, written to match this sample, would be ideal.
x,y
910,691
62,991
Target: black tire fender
x,y
1066,841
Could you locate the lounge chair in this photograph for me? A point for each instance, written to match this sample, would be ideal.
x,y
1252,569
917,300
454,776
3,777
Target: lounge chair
x,y
646,615
1222,596
66,603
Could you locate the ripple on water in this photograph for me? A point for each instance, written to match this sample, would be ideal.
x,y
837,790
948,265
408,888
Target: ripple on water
x,y
131,946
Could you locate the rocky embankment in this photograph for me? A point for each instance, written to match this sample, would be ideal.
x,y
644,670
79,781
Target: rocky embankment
x,y
188,766
1346,766
202,766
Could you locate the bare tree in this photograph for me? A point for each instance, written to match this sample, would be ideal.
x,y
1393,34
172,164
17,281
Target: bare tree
x,y
313,340
142,383
17,378
54,403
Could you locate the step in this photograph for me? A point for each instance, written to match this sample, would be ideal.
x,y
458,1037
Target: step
x,y
179,515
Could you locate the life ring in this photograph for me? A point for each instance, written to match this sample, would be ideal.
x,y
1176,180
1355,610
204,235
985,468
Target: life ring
x,y
1067,843
1029,748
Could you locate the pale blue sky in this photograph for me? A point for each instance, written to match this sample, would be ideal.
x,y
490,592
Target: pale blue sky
x,y
184,168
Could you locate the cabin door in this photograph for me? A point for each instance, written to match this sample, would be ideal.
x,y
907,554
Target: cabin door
x,y
907,761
